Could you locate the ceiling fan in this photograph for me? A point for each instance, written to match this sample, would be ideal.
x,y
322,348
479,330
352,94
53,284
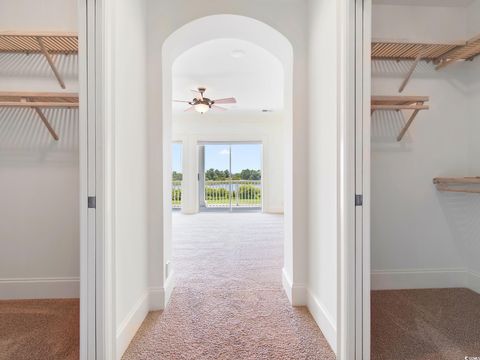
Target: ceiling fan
x,y
203,104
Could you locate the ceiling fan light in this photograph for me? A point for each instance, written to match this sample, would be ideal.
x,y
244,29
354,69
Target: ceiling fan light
x,y
202,108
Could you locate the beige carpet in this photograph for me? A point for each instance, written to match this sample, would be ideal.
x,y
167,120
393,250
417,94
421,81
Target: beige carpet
x,y
432,324
39,329
228,302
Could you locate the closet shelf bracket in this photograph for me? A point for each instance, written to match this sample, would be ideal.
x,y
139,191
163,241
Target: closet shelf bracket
x,y
440,54
50,62
37,101
414,65
46,123
46,43
398,103
468,51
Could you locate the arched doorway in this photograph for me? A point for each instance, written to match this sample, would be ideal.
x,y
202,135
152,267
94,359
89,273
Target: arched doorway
x,y
266,37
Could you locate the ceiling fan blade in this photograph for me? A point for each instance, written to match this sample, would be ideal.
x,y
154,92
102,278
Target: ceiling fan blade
x,y
218,108
230,100
191,108
182,101
198,94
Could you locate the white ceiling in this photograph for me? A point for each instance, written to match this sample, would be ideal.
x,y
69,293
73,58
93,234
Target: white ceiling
x,y
254,79
441,3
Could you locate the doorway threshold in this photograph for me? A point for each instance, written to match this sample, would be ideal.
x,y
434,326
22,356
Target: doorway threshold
x,y
234,209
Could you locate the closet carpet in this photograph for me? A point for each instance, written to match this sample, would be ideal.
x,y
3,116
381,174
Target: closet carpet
x,y
39,329
228,302
431,324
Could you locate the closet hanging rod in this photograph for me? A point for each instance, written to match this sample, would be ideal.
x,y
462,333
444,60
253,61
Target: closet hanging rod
x,y
457,180
36,94
446,183
40,104
400,107
38,99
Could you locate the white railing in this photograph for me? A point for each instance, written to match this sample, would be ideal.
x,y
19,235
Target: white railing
x,y
176,194
235,193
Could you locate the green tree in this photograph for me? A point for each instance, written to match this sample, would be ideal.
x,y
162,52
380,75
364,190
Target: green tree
x,y
223,175
248,174
177,176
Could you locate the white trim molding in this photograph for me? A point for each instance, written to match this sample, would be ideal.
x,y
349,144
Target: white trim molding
x,y
419,278
160,296
323,319
296,293
169,284
474,281
40,288
131,323
157,298
273,210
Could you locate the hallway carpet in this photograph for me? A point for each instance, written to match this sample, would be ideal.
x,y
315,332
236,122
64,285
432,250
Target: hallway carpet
x,y
427,324
39,329
228,302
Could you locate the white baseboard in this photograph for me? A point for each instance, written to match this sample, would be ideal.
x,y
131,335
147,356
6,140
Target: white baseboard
x,y
296,293
474,281
159,297
40,288
156,298
169,285
131,323
323,319
418,279
273,211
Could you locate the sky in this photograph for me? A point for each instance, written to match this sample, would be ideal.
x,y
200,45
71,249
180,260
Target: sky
x,y
244,156
177,157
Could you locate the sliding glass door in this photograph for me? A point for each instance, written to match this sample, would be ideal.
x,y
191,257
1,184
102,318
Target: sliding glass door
x,y
177,175
230,175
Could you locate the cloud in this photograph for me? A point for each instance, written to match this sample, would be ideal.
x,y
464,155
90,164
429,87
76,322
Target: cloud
x,y
224,152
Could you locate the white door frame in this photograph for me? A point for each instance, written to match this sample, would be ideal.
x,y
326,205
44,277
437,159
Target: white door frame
x,y
97,165
365,132
362,23
87,188
354,179
97,307
364,16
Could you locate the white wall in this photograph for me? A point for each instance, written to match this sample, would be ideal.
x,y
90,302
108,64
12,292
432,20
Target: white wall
x,y
39,178
473,79
471,225
178,14
418,233
419,23
38,15
264,127
323,167
130,171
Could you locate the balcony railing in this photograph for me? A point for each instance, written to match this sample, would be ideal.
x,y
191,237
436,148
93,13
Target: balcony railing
x,y
223,194
235,193
176,194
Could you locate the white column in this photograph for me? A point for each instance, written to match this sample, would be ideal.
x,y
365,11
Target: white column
x,y
190,176
201,175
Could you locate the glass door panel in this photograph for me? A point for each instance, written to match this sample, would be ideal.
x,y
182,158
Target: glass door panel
x,y
230,175
218,186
